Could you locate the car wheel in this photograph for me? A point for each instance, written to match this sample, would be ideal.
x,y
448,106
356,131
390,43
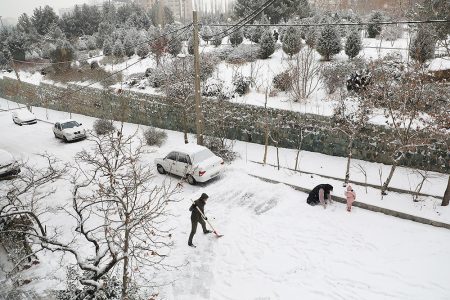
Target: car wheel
x,y
191,180
55,135
160,169
65,139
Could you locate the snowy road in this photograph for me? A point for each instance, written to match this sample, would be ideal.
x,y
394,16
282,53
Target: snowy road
x,y
275,245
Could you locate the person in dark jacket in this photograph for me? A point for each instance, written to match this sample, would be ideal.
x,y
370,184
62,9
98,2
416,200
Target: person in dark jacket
x,y
196,217
321,194
275,35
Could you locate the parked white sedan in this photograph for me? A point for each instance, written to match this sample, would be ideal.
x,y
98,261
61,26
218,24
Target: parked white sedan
x,y
23,117
69,130
8,165
196,163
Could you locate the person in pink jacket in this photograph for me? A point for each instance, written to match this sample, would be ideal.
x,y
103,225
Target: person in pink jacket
x,y
351,196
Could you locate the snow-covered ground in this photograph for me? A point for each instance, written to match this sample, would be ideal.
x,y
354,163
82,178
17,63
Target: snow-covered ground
x,y
275,245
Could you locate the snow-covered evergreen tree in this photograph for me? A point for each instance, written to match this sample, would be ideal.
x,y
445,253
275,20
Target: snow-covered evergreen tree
x,y
373,30
217,41
43,18
255,33
267,44
423,45
353,44
206,33
292,41
236,38
142,49
118,50
128,45
107,47
329,42
64,52
91,43
175,45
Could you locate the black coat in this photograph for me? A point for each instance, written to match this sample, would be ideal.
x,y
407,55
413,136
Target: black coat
x,y
313,197
195,215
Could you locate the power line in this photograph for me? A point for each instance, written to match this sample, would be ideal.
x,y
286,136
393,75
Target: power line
x,y
337,24
249,18
100,55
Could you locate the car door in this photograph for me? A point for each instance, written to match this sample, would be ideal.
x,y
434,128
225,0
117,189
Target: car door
x,y
58,130
14,116
183,164
171,162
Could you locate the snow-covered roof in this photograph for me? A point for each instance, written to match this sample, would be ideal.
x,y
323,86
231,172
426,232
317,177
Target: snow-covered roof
x,y
24,114
190,148
66,121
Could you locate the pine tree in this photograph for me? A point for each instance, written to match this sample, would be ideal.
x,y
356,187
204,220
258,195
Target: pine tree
x,y
328,43
217,41
107,47
373,30
236,38
423,45
118,50
353,44
267,44
175,45
43,18
206,33
142,49
255,33
292,41
64,52
128,45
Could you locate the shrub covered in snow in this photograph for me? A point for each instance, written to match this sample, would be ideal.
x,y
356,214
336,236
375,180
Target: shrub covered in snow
x,y
220,147
103,126
267,44
212,87
155,137
217,41
334,75
118,49
142,49
107,47
353,45
423,45
328,43
292,41
391,33
373,30
244,53
241,84
155,77
282,81
236,38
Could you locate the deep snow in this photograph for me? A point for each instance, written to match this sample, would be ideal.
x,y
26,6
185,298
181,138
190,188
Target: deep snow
x,y
275,245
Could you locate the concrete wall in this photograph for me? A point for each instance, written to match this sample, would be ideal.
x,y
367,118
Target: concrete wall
x,y
235,121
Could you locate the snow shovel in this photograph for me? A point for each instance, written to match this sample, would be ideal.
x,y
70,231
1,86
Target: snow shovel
x,y
204,218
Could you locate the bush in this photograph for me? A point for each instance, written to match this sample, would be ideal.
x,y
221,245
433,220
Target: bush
x,y
103,126
267,45
155,137
373,30
241,84
213,87
282,81
335,75
217,41
220,147
155,77
236,38
243,54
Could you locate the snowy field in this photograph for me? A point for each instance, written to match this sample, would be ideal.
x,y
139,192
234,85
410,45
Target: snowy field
x,y
275,245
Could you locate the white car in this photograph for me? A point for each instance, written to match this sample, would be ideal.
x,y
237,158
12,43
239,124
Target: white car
x,y
23,117
196,163
8,165
69,130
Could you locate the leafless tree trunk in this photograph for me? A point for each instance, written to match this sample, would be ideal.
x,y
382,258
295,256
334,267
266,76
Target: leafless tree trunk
x,y
446,198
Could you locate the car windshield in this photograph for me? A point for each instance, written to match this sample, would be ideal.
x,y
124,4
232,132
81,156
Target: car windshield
x,y
202,155
70,124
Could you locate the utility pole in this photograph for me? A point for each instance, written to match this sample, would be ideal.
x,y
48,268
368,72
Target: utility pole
x,y
198,99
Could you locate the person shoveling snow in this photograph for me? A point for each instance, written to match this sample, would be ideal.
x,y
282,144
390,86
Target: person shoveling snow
x,y
198,216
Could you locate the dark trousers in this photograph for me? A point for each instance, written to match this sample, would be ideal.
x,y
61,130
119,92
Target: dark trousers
x,y
194,228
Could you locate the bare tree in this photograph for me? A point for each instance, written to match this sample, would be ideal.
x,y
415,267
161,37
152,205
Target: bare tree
x,y
408,99
350,117
305,71
119,213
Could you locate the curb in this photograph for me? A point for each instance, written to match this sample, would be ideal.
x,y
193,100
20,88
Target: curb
x,y
397,190
366,206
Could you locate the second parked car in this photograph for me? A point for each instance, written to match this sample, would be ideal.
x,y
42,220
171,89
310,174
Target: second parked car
x,y
69,130
196,163
23,117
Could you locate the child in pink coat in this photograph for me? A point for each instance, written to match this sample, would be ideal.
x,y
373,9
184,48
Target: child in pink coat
x,y
351,196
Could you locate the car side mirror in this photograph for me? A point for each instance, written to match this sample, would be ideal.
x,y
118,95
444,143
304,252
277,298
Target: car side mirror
x,y
80,124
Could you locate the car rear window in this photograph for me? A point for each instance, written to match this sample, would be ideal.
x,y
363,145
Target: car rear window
x,y
202,155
